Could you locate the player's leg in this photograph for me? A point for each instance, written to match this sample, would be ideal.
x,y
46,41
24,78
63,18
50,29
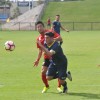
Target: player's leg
x,y
64,84
59,87
53,74
69,76
43,75
45,81
62,76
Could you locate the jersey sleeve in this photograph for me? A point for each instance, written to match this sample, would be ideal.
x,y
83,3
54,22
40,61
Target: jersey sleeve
x,y
54,23
38,44
56,34
41,39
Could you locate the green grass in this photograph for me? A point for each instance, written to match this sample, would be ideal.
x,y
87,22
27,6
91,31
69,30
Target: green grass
x,y
74,11
20,81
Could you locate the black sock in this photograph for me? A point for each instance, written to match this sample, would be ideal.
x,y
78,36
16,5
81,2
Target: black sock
x,y
65,89
65,85
61,43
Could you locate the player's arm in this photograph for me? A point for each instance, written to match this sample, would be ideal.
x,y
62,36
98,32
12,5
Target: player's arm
x,y
52,27
38,58
57,37
64,29
49,53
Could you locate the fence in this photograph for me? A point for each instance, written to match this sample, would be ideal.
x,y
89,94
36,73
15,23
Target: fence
x,y
82,26
72,26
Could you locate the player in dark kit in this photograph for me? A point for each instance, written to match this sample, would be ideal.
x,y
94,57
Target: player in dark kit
x,y
41,29
57,25
58,61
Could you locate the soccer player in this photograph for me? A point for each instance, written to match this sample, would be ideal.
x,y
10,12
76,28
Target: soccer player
x,y
49,22
41,29
58,61
57,25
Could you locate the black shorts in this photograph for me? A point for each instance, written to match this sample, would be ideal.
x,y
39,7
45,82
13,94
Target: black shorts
x,y
46,63
60,69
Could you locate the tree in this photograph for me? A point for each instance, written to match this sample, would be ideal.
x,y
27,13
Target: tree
x,y
40,2
16,12
4,3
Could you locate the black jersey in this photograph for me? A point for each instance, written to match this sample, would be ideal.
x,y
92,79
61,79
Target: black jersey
x,y
58,57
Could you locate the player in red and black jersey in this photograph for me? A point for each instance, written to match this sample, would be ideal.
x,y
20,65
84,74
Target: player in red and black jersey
x,y
49,23
57,37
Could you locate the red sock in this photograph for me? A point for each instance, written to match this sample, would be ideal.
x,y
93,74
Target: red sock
x,y
59,85
45,81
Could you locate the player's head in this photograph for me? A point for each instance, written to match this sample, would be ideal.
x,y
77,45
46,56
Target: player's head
x,y
57,17
49,37
40,26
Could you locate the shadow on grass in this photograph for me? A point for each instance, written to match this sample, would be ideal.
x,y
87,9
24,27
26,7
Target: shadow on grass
x,y
53,92
86,95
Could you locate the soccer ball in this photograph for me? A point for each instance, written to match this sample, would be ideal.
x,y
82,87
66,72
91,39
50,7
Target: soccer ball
x,y
9,45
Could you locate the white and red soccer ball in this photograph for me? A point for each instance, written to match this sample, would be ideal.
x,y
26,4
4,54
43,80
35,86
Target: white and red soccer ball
x,y
9,45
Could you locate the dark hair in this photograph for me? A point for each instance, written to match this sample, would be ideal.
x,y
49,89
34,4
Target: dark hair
x,y
40,22
58,15
50,34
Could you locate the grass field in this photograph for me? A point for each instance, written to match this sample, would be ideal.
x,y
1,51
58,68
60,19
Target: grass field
x,y
19,80
74,11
